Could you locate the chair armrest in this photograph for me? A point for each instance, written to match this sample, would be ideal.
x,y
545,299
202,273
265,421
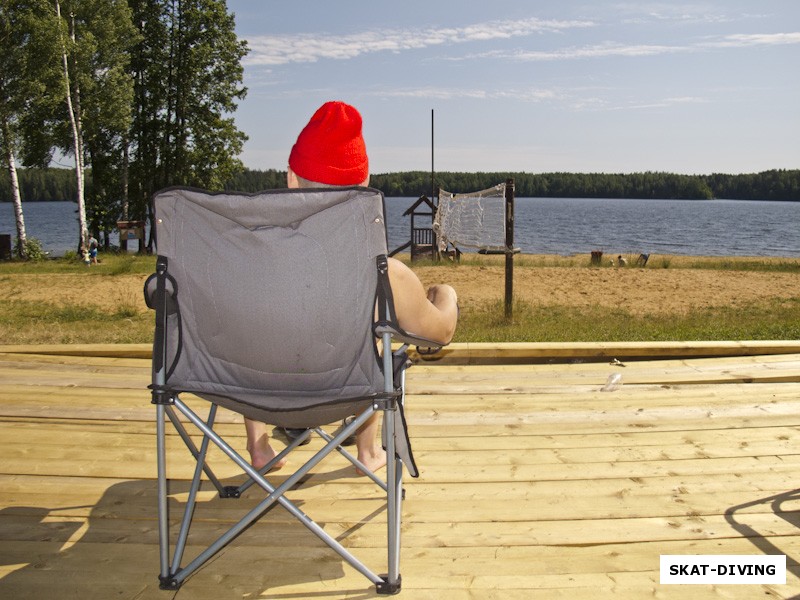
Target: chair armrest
x,y
404,337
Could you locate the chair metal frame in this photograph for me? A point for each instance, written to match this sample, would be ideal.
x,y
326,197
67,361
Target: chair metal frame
x,y
174,570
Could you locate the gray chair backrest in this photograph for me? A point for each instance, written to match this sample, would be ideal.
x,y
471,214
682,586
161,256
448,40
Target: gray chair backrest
x,y
276,296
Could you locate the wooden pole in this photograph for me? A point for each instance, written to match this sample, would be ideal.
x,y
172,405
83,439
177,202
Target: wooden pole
x,y
434,195
509,248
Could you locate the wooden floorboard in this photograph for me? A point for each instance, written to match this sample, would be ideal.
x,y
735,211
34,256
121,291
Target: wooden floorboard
x,y
534,481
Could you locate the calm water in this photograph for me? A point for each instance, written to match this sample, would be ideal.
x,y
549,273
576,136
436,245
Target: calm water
x,y
554,226
579,225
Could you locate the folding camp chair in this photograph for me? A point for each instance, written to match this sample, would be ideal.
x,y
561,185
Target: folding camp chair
x,y
269,305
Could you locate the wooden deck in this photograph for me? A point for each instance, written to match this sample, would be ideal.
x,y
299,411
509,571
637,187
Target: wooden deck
x,y
534,482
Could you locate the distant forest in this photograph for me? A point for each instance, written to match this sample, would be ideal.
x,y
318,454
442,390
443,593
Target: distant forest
x,y
59,184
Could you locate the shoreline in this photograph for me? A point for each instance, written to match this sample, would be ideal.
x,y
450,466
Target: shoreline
x,y
584,259
522,259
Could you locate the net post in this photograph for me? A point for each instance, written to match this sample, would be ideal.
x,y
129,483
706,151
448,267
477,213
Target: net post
x,y
509,197
437,253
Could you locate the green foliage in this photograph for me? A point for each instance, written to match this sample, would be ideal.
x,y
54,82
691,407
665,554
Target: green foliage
x,y
41,185
34,250
769,185
255,181
188,73
59,184
28,66
154,82
96,38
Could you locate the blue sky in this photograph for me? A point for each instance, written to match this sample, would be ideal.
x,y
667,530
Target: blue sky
x,y
534,86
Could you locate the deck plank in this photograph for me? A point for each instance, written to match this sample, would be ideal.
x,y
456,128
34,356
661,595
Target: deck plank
x,y
534,482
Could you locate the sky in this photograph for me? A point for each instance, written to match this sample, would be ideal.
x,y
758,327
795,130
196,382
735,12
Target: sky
x,y
530,86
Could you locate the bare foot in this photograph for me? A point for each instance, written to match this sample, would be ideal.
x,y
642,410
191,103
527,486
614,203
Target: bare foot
x,y
262,453
374,459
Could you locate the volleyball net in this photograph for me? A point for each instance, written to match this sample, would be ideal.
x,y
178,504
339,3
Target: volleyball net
x,y
475,220
482,220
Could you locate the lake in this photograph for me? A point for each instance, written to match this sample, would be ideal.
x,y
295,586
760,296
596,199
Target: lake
x,y
553,226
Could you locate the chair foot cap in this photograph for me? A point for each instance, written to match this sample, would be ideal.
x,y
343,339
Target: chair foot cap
x,y
168,583
389,589
230,491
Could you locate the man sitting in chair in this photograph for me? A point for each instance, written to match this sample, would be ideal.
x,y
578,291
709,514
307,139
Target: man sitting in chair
x,y
330,152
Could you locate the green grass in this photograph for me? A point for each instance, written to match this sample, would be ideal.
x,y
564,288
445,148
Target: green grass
x,y
111,265
523,261
28,322
36,322
770,320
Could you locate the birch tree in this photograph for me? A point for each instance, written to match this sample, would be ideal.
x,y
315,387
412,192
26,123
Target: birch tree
x,y
93,39
11,59
23,71
72,101
8,147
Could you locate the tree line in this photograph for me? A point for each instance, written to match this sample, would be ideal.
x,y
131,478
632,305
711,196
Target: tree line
x,y
138,94
59,184
41,185
767,185
777,184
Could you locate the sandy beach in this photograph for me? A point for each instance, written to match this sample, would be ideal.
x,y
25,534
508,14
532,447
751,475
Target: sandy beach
x,y
641,291
540,281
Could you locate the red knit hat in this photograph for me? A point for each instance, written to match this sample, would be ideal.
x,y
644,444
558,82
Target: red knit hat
x,y
331,149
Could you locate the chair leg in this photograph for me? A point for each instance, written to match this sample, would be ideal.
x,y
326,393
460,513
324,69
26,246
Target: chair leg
x,y
394,472
298,441
353,460
163,523
200,457
391,583
275,494
224,491
172,575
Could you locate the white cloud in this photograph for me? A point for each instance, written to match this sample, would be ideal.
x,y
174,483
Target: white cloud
x,y
578,102
575,99
642,13
663,103
451,93
741,40
310,47
607,49
596,51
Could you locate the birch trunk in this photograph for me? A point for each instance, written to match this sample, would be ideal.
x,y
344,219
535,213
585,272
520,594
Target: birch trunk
x,y
77,140
22,238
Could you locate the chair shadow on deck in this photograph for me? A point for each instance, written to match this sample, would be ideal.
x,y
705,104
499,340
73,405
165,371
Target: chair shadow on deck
x,y
117,555
737,519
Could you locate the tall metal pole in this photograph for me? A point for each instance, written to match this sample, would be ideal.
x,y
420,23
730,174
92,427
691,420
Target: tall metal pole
x,y
509,247
433,186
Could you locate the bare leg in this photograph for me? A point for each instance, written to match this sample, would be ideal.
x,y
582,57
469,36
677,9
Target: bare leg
x,y
370,450
258,445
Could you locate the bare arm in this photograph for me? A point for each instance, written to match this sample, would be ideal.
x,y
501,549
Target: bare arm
x,y
432,314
